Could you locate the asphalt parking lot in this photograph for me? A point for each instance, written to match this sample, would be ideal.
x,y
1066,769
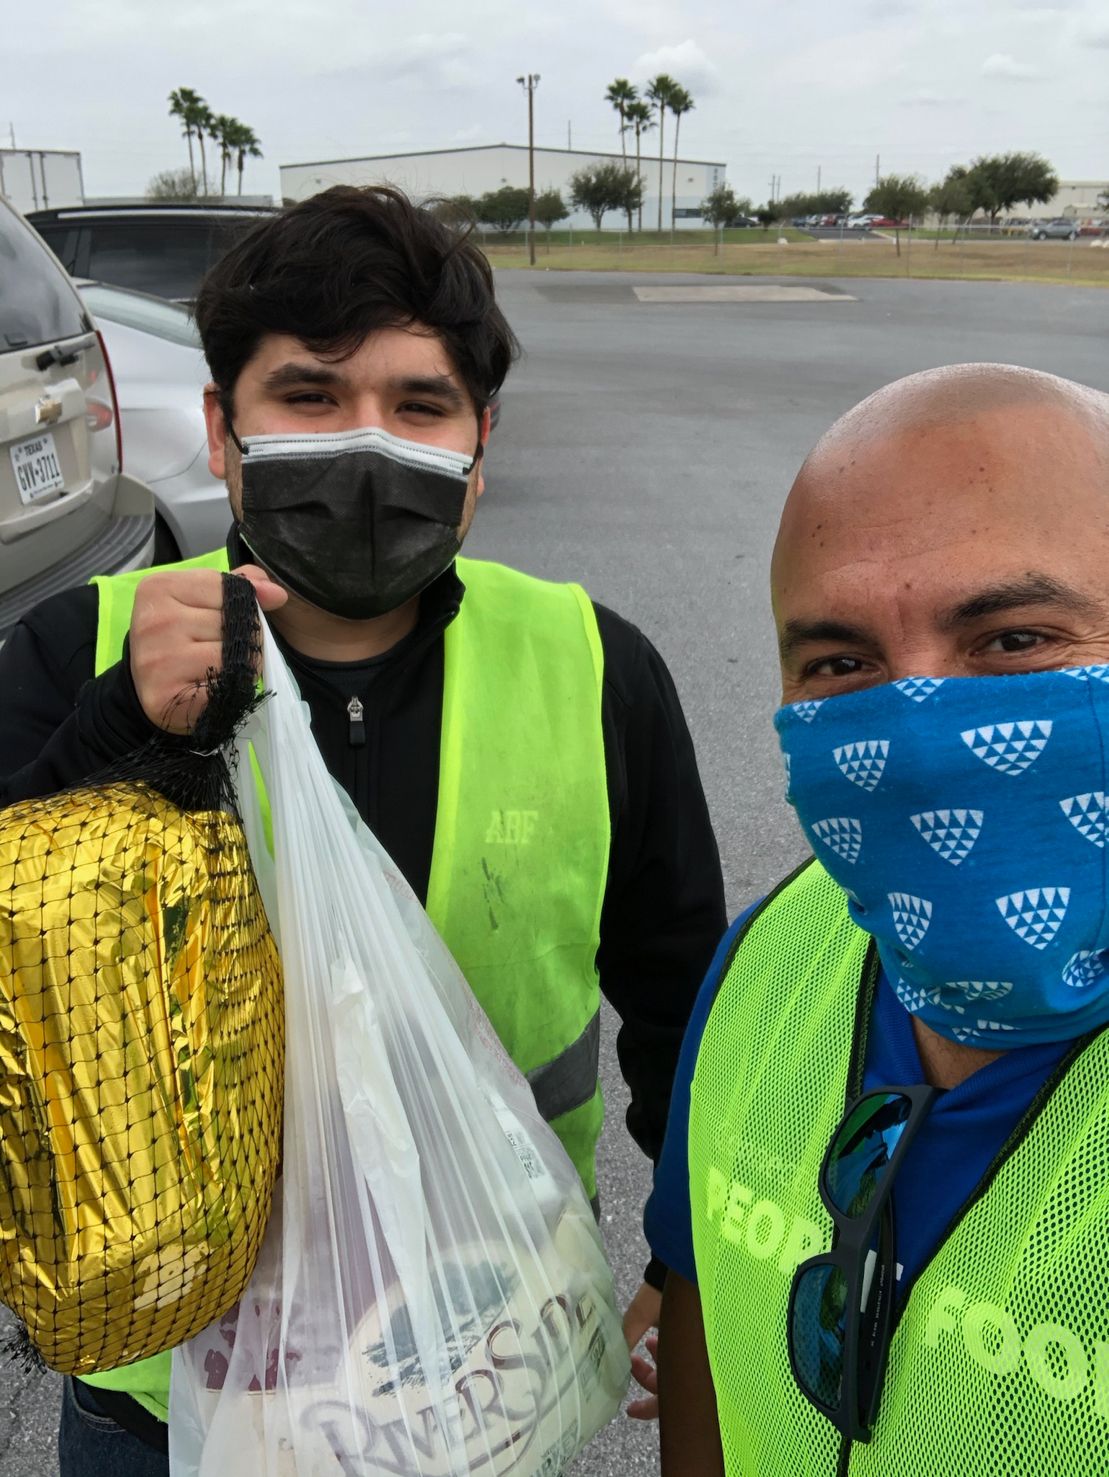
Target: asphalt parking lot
x,y
644,448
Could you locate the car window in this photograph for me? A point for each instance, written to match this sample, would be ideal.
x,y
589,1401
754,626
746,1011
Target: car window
x,y
150,315
166,257
37,304
62,241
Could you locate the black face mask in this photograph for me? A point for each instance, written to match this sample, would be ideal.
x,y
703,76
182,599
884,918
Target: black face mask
x,y
355,522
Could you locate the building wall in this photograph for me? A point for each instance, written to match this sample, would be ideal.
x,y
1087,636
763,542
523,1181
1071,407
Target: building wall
x,y
1076,198
479,170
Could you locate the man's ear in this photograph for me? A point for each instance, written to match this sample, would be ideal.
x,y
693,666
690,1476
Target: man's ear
x,y
483,440
215,424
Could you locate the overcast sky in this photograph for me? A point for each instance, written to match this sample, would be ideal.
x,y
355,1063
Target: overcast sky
x,y
780,88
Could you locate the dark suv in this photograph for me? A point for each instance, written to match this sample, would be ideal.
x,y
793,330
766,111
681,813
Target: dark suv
x,y
160,249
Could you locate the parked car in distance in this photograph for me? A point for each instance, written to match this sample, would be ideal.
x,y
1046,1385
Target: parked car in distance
x,y
67,509
160,249
1094,227
160,374
1056,230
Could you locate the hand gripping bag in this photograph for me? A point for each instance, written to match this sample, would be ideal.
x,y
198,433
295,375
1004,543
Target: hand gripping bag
x,y
432,1297
141,1045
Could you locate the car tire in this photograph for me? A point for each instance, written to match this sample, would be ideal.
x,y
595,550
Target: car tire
x,y
166,550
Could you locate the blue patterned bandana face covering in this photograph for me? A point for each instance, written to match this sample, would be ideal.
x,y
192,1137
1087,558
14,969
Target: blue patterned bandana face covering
x,y
965,818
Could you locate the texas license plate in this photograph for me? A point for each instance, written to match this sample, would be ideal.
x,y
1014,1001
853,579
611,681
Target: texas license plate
x,y
36,468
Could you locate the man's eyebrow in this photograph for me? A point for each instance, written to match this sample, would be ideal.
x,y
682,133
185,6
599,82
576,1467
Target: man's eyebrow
x,y
439,385
797,633
294,373
1032,589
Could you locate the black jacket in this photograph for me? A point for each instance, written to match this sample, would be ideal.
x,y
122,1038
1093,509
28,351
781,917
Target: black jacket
x,y
663,911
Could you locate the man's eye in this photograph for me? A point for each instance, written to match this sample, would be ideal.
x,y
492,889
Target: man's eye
x,y
834,666
1015,641
420,407
309,397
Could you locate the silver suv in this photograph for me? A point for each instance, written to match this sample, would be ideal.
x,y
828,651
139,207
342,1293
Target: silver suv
x,y
67,510
1056,230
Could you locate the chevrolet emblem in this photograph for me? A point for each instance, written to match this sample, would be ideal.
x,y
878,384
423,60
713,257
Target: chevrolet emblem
x,y
47,411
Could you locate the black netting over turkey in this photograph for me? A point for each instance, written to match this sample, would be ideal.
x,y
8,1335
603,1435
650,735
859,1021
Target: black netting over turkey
x,y
141,1043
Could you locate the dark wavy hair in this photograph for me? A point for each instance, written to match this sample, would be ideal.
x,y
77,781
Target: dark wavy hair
x,y
334,268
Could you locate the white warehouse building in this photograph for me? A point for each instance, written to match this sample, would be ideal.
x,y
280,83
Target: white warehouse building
x,y
476,171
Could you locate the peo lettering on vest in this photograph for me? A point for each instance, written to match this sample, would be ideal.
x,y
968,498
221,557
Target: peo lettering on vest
x,y
1002,1344
520,857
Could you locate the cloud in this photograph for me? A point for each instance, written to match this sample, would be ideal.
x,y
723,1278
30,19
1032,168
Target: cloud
x,y
1001,64
924,97
433,60
1093,32
686,63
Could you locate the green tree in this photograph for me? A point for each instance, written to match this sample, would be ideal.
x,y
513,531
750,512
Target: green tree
x,y
620,94
681,102
246,145
951,199
202,120
504,209
768,214
185,104
641,118
173,184
899,196
720,207
997,182
602,187
550,208
456,211
659,91
1103,198
818,202
223,132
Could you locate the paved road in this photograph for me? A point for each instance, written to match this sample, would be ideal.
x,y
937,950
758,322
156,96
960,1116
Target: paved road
x,y
645,449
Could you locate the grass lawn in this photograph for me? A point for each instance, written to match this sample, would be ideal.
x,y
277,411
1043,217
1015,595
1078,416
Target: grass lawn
x,y
1016,260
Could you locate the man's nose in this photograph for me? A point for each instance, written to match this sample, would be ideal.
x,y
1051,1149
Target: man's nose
x,y
930,657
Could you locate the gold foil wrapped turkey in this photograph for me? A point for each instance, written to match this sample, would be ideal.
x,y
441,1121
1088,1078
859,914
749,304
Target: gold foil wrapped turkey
x,y
141,1071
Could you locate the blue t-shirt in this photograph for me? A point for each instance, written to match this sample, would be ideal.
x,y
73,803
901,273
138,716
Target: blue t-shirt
x,y
965,1128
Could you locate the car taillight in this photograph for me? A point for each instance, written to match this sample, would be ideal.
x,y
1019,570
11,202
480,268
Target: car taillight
x,y
115,400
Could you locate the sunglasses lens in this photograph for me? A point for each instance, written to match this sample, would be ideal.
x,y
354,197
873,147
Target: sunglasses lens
x,y
862,1149
819,1332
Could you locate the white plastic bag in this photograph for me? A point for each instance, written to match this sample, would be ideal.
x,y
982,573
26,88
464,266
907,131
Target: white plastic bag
x,y
431,1297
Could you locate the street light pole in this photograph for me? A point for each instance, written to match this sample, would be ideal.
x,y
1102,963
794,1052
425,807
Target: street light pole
x,y
529,84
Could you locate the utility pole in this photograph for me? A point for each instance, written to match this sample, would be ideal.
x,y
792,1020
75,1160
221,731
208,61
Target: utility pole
x,y
529,84
569,135
818,179
877,161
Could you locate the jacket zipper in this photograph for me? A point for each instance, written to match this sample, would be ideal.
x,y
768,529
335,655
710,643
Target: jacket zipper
x,y
357,732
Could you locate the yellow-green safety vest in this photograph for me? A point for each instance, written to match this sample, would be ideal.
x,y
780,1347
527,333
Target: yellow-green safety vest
x,y
522,835
999,1365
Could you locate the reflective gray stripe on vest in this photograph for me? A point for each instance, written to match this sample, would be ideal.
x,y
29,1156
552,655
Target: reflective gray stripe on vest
x,y
570,1079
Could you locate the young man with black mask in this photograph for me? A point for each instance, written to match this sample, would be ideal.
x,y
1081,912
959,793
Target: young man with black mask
x,y
520,751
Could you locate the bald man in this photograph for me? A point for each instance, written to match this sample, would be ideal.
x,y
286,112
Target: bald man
x,y
884,1196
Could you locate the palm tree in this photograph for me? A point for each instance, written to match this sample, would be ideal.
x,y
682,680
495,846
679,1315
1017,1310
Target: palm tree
x,y
223,131
247,145
640,118
620,93
183,102
659,90
212,126
202,120
680,102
